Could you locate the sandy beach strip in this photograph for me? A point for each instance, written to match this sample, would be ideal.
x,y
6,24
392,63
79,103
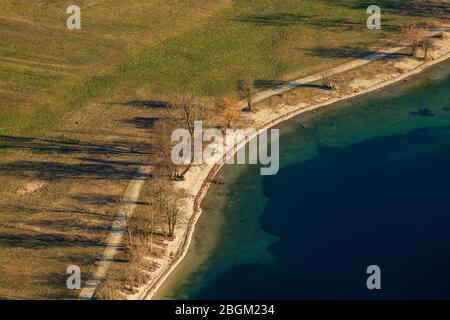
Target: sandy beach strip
x,y
199,178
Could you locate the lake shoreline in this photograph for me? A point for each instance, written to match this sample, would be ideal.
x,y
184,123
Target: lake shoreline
x,y
199,179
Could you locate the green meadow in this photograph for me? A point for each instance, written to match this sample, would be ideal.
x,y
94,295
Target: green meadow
x,y
76,106
47,71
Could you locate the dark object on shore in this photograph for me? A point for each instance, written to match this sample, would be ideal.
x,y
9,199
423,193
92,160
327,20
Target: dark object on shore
x,y
180,177
327,82
439,35
329,86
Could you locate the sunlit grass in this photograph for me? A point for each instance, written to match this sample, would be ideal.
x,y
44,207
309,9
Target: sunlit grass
x,y
50,76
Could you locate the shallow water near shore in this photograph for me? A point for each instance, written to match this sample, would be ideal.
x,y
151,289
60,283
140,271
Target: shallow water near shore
x,y
363,182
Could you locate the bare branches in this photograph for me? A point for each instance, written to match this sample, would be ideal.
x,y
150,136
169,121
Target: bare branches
x,y
228,107
186,109
183,112
167,206
163,144
172,217
247,90
327,82
418,37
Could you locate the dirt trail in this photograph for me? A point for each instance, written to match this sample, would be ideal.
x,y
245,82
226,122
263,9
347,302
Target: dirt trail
x,y
118,229
131,195
199,178
385,52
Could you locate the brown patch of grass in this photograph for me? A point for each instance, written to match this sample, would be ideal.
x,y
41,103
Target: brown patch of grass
x,y
77,110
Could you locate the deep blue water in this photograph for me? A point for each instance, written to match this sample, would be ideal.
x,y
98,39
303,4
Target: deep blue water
x,y
366,182
385,201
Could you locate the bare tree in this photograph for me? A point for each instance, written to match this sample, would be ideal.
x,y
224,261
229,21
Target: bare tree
x,y
184,111
187,108
167,206
120,206
140,226
427,44
129,228
247,90
228,107
152,229
109,289
163,145
173,217
417,37
155,219
134,275
327,82
410,33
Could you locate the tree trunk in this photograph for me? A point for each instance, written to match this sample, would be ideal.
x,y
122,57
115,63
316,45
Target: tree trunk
x,y
127,218
151,234
249,103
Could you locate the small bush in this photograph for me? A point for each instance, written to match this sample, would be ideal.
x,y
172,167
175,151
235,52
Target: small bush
x,y
109,289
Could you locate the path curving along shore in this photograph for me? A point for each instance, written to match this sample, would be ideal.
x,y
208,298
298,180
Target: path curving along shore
x,y
199,178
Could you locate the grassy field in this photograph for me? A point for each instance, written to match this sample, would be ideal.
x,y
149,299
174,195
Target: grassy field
x,y
162,46
76,107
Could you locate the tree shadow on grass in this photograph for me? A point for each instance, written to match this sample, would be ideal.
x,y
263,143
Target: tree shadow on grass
x,y
48,170
268,83
97,199
71,146
42,241
29,210
272,84
270,20
72,224
142,122
355,52
417,8
91,159
101,200
145,104
291,20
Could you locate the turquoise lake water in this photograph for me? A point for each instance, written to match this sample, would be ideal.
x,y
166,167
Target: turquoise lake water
x,y
363,182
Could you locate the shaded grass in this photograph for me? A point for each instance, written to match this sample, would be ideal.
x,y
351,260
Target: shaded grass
x,y
125,46
77,108
67,69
